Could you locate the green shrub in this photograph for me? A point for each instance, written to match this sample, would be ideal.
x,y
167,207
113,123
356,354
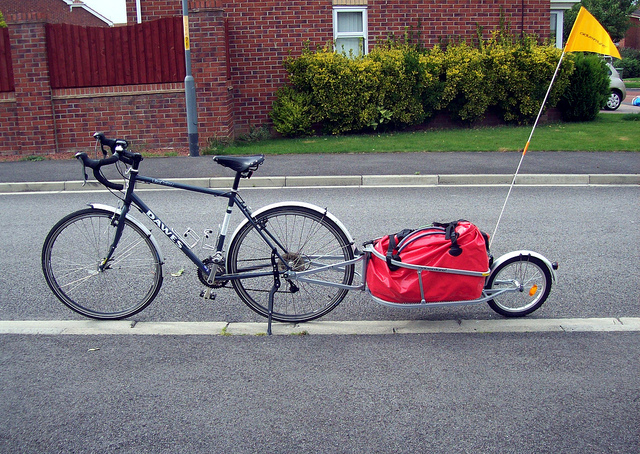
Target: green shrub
x,y
342,90
630,62
398,85
402,83
293,112
467,92
588,88
522,74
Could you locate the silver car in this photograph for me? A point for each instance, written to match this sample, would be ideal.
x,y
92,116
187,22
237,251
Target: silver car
x,y
618,90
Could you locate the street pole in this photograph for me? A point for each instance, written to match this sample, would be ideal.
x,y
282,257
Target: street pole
x,y
190,86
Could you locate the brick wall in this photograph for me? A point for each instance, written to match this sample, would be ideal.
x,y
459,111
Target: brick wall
x,y
260,38
33,118
9,124
39,120
632,38
441,19
150,116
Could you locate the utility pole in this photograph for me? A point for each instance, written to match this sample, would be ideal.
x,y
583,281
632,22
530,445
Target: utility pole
x,y
190,86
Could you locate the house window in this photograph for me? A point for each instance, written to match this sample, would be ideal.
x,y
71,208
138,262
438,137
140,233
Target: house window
x,y
350,30
557,28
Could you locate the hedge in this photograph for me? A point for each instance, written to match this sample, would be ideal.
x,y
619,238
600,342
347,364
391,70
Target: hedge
x,y
398,85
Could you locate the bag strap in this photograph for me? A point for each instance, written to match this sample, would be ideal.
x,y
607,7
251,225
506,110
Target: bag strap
x,y
451,234
392,252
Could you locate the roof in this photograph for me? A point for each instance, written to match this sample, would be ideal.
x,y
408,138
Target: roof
x,y
57,11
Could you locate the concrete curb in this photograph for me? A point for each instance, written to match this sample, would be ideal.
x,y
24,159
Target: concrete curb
x,y
125,327
350,180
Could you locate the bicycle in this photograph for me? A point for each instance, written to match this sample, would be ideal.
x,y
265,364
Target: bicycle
x,y
103,263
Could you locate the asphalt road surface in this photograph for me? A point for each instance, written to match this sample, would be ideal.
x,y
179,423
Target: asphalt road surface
x,y
483,392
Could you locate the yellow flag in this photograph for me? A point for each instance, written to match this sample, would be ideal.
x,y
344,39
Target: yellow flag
x,y
587,35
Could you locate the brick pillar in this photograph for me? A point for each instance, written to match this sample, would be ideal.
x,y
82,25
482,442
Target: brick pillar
x,y
209,66
34,109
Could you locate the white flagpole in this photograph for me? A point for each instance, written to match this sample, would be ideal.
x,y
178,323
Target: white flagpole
x,y
526,147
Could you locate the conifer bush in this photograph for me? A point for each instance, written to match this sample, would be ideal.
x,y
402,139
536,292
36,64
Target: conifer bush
x,y
588,89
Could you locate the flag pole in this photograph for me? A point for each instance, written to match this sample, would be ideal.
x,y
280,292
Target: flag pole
x,y
526,147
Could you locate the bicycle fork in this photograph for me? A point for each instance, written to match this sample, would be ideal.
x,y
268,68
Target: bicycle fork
x,y
120,222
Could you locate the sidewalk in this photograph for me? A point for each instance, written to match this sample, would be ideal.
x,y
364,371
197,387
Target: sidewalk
x,y
354,169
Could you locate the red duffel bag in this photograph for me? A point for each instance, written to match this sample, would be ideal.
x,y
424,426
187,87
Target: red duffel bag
x,y
458,245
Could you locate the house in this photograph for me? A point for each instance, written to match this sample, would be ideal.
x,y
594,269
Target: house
x,y
237,51
258,36
632,38
57,11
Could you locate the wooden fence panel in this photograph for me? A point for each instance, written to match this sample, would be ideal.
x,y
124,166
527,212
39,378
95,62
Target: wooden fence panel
x,y
6,66
151,52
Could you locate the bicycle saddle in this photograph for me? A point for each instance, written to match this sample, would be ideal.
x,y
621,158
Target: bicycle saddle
x,y
240,163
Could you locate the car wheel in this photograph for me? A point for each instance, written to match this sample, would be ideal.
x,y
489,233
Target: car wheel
x,y
614,101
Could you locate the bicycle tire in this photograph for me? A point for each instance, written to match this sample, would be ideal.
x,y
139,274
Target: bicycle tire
x,y
311,240
530,278
78,244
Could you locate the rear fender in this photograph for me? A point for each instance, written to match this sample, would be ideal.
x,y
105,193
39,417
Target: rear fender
x,y
321,211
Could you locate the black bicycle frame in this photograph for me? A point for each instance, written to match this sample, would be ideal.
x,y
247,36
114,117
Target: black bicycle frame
x,y
234,199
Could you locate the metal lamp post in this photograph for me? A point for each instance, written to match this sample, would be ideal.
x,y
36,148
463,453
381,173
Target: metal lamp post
x,y
190,86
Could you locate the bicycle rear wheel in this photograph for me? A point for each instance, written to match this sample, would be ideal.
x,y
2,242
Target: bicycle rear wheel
x,y
306,240
73,252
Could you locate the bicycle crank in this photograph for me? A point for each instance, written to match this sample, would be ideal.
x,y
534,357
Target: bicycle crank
x,y
219,271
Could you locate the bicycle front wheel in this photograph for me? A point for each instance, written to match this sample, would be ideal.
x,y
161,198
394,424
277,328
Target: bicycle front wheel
x,y
72,256
306,240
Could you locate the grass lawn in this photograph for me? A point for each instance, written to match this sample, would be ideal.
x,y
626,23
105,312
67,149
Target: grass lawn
x,y
632,83
609,132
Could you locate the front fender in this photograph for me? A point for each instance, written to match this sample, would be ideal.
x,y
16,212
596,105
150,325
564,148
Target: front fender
x,y
147,232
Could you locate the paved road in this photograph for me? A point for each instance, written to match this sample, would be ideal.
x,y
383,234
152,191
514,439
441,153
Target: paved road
x,y
563,391
439,393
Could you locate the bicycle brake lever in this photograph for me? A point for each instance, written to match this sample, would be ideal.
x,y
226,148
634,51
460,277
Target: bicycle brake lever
x,y
84,170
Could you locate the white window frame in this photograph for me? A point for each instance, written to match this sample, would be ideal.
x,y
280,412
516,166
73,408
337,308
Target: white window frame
x,y
558,7
559,14
363,34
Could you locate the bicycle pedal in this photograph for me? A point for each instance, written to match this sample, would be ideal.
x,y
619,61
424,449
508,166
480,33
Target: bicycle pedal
x,y
207,294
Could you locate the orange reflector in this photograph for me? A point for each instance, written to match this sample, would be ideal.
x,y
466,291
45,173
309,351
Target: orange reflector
x,y
533,290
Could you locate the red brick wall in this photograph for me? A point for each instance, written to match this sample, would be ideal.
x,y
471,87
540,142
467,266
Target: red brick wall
x,y
261,35
39,120
9,124
150,116
33,109
162,8
632,38
209,69
438,19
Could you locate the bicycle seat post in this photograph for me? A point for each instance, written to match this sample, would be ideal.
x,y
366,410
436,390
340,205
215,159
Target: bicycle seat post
x,y
236,181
